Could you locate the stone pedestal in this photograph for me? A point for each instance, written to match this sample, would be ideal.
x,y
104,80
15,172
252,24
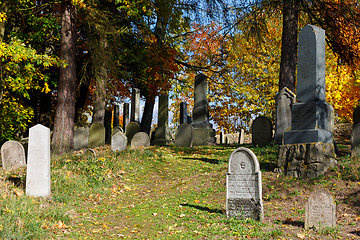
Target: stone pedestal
x,y
306,159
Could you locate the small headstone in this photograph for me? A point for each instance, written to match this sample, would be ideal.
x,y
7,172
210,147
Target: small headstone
x,y
356,115
89,153
241,136
244,186
81,138
162,132
126,119
116,130
38,165
183,113
355,141
12,155
262,131
140,139
116,116
184,135
283,105
135,105
320,210
131,129
118,142
96,135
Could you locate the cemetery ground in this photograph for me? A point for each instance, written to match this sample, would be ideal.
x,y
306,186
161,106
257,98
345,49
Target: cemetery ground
x,y
172,193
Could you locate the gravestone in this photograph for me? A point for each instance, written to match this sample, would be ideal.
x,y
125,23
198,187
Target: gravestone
x,y
116,130
81,138
262,131
107,125
96,135
204,134
118,142
184,135
89,153
183,113
355,141
222,138
135,105
131,129
320,210
241,136
140,139
125,115
12,155
116,116
308,149
162,132
38,164
283,105
244,186
356,116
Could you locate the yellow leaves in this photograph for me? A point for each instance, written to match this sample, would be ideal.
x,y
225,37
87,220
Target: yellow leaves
x,y
2,16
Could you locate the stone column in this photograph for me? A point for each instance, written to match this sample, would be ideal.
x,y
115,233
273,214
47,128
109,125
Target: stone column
x,y
135,105
107,125
116,116
162,132
183,113
125,115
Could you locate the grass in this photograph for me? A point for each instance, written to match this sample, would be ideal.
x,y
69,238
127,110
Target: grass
x,y
158,193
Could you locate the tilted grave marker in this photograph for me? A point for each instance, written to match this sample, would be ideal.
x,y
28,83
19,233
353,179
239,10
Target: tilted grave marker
x,y
81,138
96,135
12,155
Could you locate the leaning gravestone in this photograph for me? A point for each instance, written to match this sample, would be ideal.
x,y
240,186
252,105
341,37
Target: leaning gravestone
x,y
118,142
320,210
12,155
184,135
243,186
96,135
140,139
262,131
131,129
355,141
89,153
116,130
81,138
38,165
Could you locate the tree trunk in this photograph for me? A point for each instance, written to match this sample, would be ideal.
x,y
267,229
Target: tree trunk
x,y
289,45
63,135
147,116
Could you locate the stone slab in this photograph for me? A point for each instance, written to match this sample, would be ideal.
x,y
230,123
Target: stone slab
x,y
81,138
131,129
140,139
12,155
184,135
262,131
203,136
320,210
355,141
118,142
96,135
38,165
308,136
311,115
284,101
243,186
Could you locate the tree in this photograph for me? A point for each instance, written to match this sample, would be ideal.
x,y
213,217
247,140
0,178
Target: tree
x,y
63,135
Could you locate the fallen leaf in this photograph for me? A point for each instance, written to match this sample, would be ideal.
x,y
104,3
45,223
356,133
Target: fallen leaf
x,y
300,235
182,215
154,214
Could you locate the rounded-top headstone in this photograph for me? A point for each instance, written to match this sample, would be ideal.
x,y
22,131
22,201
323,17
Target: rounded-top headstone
x,y
116,130
262,131
131,129
140,139
118,142
12,155
96,135
81,138
184,135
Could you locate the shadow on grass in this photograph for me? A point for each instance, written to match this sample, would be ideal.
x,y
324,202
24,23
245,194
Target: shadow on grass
x,y
294,223
208,160
357,233
268,166
220,211
354,200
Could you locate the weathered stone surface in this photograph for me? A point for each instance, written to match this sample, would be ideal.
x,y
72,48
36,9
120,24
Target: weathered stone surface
x,y
306,160
311,115
311,65
96,135
355,141
131,129
140,139
244,186
283,105
308,136
203,136
183,113
320,210
135,105
241,136
89,153
116,119
116,130
12,155
81,138
184,135
118,142
38,165
162,134
126,119
262,131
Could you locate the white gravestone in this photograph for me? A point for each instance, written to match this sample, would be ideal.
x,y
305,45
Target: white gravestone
x,y
243,186
118,142
38,165
12,155
320,210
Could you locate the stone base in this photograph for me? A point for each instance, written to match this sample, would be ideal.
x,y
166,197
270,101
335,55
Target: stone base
x,y
306,159
308,136
161,136
203,136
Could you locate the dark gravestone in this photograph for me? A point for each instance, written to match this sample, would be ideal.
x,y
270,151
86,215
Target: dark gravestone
x,y
356,116
38,165
108,117
125,115
355,141
283,105
118,142
162,132
131,129
116,116
320,210
96,135
12,155
262,131
184,135
183,113
140,139
81,138
243,186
